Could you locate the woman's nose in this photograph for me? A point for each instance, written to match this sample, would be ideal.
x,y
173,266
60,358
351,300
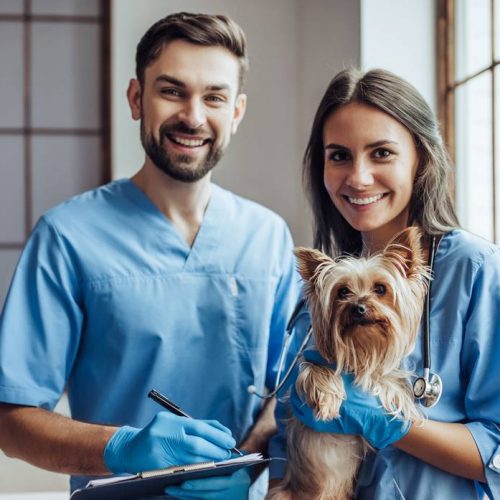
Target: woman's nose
x,y
360,175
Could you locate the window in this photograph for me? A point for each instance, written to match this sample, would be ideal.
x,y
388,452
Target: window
x,y
469,100
54,119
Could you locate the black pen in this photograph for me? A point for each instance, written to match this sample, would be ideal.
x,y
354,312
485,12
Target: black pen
x,y
173,408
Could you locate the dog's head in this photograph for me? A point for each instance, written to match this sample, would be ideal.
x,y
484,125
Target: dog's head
x,y
366,311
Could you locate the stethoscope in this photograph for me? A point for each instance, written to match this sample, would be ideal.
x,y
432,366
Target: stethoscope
x,y
290,331
427,388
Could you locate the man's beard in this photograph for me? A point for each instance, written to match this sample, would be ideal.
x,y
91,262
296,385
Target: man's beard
x,y
173,165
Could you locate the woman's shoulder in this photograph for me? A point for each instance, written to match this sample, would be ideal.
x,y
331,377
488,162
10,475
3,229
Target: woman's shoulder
x,y
460,248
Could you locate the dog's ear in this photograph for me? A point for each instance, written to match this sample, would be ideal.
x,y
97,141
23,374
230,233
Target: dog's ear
x,y
405,250
308,259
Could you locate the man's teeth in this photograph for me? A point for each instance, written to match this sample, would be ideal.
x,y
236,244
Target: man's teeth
x,y
192,143
365,201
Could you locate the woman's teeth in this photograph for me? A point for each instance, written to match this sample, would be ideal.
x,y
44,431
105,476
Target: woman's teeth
x,y
365,201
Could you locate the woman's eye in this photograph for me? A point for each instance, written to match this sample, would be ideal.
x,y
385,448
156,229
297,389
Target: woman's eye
x,y
338,156
379,289
343,292
382,153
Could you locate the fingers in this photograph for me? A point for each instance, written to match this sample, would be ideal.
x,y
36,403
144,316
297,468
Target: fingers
x,y
216,434
199,446
234,487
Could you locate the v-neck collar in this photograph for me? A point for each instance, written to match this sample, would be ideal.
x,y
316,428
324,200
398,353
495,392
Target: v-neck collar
x,y
197,256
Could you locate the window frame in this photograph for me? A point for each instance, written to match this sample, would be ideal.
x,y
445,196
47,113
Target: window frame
x,y
448,84
27,18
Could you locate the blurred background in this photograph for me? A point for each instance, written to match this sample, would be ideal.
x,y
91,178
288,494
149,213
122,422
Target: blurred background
x,y
65,125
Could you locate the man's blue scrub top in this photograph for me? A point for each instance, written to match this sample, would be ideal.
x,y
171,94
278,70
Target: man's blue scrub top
x,y
465,351
109,301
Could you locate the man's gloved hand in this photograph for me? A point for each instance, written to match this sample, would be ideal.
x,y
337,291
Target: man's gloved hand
x,y
233,487
167,440
360,414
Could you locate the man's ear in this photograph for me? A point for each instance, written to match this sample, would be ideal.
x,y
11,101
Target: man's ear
x,y
134,93
240,107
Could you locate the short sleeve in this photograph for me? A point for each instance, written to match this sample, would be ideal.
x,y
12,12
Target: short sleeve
x,y
480,366
40,323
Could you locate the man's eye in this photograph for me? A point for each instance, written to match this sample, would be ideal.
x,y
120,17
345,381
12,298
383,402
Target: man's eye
x,y
343,292
380,289
170,92
215,98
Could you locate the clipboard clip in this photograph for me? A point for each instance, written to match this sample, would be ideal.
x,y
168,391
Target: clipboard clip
x,y
173,469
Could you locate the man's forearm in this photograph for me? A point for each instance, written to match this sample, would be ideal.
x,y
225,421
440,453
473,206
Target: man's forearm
x,y
53,442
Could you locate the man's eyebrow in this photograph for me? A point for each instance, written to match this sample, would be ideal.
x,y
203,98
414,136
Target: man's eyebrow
x,y
164,78
170,79
220,86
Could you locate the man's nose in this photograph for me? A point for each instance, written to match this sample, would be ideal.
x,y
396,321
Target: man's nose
x,y
360,175
193,113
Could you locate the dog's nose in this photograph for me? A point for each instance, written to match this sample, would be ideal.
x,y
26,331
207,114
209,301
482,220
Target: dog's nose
x,y
359,310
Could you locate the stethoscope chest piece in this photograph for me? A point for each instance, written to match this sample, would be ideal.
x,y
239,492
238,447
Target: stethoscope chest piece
x,y
428,389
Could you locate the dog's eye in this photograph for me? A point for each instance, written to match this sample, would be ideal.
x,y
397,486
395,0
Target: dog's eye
x,y
343,292
379,289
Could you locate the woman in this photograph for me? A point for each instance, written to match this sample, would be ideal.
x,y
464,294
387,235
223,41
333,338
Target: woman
x,y
375,164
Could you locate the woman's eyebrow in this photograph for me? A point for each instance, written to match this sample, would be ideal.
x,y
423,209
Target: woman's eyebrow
x,y
381,142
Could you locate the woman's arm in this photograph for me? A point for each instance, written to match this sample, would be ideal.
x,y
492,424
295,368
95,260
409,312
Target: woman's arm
x,y
447,446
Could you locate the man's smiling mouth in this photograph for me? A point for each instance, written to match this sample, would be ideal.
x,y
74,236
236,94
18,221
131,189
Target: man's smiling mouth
x,y
190,143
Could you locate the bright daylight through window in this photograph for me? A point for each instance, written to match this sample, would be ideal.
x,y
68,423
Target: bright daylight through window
x,y
470,93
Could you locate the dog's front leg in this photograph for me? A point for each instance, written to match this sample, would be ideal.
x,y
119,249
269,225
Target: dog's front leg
x,y
321,389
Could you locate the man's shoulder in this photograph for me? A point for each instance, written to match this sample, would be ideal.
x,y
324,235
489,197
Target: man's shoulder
x,y
86,205
249,209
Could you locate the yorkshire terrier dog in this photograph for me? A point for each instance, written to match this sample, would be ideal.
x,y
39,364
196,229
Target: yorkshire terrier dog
x,y
365,314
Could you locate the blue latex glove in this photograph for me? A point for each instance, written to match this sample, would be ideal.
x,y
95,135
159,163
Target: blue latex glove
x,y
360,414
234,487
167,440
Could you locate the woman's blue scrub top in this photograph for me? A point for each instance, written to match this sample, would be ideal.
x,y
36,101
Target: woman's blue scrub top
x,y
109,302
465,351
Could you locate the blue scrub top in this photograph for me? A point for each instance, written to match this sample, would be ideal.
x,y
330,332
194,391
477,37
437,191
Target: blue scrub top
x,y
108,301
465,350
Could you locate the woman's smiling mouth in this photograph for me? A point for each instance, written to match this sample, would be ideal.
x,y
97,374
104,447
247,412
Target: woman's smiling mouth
x,y
365,200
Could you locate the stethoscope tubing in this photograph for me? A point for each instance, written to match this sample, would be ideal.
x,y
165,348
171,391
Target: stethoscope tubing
x,y
296,313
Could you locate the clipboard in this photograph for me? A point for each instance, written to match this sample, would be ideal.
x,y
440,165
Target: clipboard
x,y
153,483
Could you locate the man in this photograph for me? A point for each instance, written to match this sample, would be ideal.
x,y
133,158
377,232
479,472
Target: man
x,y
163,280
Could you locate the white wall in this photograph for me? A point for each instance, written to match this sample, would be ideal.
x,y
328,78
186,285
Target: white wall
x,y
400,35
295,48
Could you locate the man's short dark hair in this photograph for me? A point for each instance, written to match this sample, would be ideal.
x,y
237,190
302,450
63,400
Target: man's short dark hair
x,y
200,29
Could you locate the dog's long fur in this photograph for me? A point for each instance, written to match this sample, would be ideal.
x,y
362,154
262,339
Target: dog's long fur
x,y
390,286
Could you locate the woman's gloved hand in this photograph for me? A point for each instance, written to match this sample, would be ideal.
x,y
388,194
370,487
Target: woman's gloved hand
x,y
234,487
360,414
167,440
